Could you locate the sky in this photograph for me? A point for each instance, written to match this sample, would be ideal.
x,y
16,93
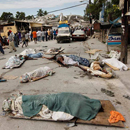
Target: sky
x,y
30,7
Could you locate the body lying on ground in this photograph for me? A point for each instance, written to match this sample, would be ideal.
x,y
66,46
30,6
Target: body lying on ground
x,y
96,70
36,74
70,60
31,56
14,61
60,106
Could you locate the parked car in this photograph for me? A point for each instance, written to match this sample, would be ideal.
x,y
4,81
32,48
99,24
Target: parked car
x,y
63,34
79,34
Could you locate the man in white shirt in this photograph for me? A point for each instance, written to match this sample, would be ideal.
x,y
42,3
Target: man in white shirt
x,y
39,35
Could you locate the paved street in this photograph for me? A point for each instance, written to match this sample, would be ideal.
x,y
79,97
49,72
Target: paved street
x,y
64,80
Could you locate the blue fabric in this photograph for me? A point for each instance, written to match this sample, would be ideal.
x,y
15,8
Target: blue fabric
x,y
63,25
82,61
115,22
38,55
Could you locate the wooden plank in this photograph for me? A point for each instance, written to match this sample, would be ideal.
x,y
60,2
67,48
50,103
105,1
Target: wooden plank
x,y
100,119
103,116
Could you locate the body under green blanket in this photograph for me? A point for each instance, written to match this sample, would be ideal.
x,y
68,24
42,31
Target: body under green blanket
x,y
75,104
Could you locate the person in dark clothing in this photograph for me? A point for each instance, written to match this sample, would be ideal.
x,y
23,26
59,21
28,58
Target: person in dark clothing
x,y
1,49
15,40
46,33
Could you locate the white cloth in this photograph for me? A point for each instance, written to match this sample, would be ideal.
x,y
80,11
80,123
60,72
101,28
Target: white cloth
x,y
114,62
13,61
48,114
69,61
45,112
62,116
114,54
40,72
27,51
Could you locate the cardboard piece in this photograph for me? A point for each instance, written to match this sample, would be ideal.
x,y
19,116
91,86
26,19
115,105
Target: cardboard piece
x,y
101,118
10,77
93,51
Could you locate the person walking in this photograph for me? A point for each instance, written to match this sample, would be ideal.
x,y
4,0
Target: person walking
x,y
23,39
54,33
26,38
1,49
49,34
11,41
39,36
42,35
15,40
35,36
46,33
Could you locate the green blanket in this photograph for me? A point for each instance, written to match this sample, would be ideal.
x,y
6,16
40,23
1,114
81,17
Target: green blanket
x,y
75,104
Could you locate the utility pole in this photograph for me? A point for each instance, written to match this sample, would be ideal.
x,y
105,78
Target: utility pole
x,y
124,36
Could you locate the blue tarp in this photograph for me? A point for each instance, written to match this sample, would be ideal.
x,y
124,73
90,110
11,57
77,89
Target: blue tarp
x,y
63,25
115,22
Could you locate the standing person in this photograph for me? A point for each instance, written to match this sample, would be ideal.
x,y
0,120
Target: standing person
x,y
26,38
49,34
39,36
35,36
11,41
15,40
46,35
42,35
23,40
54,33
1,49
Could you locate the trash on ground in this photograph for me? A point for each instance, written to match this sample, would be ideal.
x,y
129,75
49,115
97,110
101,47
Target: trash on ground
x,y
126,96
107,92
114,54
37,74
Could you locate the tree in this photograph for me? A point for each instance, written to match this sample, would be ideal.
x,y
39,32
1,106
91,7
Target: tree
x,y
29,17
111,9
20,15
45,12
7,16
40,12
95,8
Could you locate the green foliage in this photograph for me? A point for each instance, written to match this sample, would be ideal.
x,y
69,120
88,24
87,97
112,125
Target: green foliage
x,y
29,17
40,12
95,8
20,15
111,9
7,16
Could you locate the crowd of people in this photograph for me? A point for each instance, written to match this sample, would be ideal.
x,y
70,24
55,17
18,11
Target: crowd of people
x,y
15,39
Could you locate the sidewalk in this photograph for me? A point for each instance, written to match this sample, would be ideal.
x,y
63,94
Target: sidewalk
x,y
123,75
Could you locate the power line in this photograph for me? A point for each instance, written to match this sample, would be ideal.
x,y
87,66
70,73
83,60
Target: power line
x,y
65,8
